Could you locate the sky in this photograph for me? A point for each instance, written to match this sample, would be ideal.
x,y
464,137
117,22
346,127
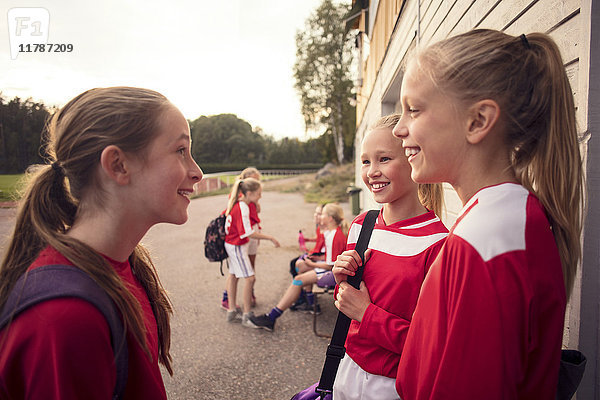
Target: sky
x,y
208,57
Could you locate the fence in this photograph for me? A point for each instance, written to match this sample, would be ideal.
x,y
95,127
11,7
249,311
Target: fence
x,y
220,180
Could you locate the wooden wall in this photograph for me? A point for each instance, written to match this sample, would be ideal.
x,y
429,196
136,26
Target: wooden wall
x,y
400,26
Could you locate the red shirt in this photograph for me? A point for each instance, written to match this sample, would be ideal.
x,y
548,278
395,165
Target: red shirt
x,y
334,246
238,226
489,319
319,242
61,349
401,254
254,219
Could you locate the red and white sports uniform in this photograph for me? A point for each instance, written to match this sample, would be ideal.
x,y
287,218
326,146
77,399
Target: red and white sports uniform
x,y
401,254
334,243
489,320
61,349
255,223
319,242
237,229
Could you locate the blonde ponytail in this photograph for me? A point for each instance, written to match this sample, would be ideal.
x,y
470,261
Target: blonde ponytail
x,y
241,186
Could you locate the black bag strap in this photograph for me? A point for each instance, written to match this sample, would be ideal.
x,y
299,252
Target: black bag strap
x,y
54,281
336,349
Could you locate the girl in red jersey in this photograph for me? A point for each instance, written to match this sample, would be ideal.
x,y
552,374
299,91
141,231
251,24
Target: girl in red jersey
x,y
121,163
334,235
254,207
238,228
405,241
493,115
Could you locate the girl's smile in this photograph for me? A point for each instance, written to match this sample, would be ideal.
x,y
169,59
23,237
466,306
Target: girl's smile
x,y
385,170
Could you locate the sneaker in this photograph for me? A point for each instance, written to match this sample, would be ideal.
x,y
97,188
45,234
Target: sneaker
x,y
298,303
262,321
225,304
307,308
246,320
233,316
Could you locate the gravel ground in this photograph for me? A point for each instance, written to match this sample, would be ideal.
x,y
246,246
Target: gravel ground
x,y
214,359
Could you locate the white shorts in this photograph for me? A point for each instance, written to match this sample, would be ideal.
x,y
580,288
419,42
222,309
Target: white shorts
x,y
354,383
253,246
239,262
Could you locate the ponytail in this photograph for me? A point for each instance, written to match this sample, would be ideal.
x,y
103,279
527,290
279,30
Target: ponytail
x,y
233,196
241,186
552,168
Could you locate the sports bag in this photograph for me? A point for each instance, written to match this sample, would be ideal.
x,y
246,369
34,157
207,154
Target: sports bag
x,y
54,281
214,240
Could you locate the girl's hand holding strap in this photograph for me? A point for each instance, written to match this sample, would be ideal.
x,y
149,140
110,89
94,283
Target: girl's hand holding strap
x,y
347,263
352,302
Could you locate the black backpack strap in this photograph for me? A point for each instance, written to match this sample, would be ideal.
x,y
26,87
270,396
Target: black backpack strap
x,y
55,281
336,349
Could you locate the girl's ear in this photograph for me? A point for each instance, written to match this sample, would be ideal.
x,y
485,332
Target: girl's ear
x,y
482,118
114,164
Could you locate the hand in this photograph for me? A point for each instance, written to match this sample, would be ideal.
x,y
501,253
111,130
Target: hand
x,y
353,302
275,242
316,257
347,263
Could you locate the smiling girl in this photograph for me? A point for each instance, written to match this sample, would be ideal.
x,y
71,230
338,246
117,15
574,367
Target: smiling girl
x,y
405,240
121,163
493,115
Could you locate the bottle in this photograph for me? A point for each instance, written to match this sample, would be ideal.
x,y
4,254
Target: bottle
x,y
301,241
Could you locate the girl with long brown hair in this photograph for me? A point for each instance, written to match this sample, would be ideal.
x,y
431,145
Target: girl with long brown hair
x,y
120,163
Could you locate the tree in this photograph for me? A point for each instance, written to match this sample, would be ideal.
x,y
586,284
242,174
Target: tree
x,y
21,126
323,78
225,138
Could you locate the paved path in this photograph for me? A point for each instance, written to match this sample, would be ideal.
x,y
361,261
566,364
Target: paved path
x,y
214,359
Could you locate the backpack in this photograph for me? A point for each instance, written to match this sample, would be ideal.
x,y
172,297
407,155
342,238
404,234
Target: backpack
x,y
54,281
214,240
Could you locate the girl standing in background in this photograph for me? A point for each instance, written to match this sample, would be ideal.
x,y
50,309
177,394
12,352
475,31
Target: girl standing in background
x,y
239,230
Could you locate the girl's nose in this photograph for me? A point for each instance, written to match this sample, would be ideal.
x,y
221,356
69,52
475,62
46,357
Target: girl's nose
x,y
373,171
196,172
400,130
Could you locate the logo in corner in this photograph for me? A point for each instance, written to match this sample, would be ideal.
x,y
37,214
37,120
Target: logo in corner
x,y
27,26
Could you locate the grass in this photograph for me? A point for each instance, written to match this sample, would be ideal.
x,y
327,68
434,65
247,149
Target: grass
x,y
8,187
326,189
331,188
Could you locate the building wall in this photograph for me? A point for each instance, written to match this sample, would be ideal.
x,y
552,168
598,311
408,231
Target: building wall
x,y
397,27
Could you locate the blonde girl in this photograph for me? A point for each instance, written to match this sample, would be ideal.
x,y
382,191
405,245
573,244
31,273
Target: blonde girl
x,y
254,207
334,230
493,115
406,238
120,163
239,230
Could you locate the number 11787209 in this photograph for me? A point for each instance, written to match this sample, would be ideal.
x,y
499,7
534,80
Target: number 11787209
x,y
45,48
